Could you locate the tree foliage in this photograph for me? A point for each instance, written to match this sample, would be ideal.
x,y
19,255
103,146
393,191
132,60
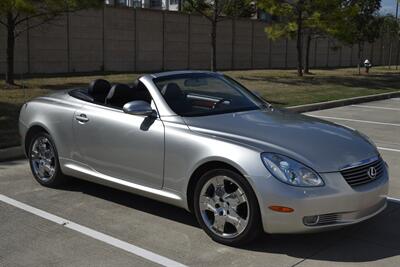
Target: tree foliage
x,y
363,25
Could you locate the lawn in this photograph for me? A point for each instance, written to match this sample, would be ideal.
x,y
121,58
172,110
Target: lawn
x,y
280,87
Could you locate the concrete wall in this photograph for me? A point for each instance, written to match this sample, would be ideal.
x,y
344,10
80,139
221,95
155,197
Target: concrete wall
x,y
126,39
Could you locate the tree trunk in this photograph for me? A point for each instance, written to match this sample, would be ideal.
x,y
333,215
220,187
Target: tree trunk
x,y
10,49
214,36
299,42
214,45
307,59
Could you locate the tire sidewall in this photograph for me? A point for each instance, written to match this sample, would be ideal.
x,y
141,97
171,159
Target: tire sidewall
x,y
55,180
252,229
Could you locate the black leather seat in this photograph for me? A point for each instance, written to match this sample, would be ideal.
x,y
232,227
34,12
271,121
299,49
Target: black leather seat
x,y
99,89
119,95
175,98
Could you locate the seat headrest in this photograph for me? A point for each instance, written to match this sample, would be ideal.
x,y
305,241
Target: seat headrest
x,y
172,92
99,87
119,95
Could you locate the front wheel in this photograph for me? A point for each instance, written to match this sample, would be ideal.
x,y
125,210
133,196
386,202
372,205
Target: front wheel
x,y
43,160
226,207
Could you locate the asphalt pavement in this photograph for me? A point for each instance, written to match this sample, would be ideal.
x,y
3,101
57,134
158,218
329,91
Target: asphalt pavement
x,y
85,224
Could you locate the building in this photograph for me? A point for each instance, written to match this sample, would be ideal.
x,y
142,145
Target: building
x,y
154,4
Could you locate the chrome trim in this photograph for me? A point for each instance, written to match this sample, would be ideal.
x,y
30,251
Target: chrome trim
x,y
360,163
123,182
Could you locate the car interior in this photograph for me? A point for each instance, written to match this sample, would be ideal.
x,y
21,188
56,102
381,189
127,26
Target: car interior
x,y
117,95
185,97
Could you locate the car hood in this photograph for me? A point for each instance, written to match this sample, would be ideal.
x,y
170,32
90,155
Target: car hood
x,y
322,145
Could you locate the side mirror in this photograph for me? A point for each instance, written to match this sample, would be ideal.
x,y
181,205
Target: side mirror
x,y
138,107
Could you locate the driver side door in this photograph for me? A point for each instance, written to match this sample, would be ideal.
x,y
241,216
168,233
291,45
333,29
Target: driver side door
x,y
123,146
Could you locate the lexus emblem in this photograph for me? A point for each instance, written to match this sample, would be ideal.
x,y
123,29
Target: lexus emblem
x,y
371,172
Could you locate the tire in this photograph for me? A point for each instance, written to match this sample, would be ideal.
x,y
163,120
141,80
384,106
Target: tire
x,y
223,213
43,160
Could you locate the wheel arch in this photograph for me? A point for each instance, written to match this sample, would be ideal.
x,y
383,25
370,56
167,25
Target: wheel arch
x,y
34,129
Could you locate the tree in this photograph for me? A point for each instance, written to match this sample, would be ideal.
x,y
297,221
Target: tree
x,y
215,11
390,27
240,8
363,25
14,15
291,15
303,18
325,18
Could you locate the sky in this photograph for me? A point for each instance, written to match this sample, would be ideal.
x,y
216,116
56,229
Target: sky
x,y
388,6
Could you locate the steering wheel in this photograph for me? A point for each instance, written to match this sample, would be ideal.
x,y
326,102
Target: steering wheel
x,y
219,102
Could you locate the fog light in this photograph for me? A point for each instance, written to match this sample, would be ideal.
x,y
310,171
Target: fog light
x,y
311,220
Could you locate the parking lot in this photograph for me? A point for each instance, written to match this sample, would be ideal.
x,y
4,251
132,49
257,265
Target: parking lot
x,y
87,224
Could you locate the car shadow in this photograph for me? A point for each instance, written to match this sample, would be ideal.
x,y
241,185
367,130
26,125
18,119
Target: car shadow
x,y
371,240
133,201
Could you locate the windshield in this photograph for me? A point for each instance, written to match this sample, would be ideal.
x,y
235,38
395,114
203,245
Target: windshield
x,y
200,94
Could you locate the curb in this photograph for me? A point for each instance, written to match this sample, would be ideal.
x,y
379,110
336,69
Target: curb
x,y
342,102
11,153
18,153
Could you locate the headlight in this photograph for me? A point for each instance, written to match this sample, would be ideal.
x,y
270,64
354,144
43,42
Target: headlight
x,y
290,171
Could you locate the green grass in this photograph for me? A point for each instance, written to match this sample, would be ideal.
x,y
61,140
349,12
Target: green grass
x,y
280,87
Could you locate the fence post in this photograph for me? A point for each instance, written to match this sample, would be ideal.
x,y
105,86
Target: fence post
x,y
135,41
327,53
351,55
68,44
286,51
103,66
233,43
188,42
163,40
252,45
270,54
28,53
315,52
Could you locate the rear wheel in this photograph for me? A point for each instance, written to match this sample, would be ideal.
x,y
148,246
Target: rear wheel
x,y
226,207
43,160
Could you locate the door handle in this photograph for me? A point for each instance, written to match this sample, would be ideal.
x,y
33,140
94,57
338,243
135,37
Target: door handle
x,y
82,118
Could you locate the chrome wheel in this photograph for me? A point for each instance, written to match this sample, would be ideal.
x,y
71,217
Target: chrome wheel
x,y
224,207
43,159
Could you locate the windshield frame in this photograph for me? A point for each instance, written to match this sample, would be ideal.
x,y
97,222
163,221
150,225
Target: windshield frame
x,y
258,102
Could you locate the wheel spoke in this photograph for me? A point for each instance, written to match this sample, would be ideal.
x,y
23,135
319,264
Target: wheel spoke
x,y
218,182
41,170
219,223
207,203
235,198
35,154
234,218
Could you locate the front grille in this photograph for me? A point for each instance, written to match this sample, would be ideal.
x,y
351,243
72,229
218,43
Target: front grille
x,y
359,175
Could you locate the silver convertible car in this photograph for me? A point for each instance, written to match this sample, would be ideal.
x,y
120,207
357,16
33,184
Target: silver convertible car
x,y
203,142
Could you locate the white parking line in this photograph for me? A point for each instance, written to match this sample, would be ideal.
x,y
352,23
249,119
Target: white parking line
x,y
388,149
375,107
344,119
148,255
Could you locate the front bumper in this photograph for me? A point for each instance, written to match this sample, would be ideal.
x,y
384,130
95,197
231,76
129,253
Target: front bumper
x,y
336,203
